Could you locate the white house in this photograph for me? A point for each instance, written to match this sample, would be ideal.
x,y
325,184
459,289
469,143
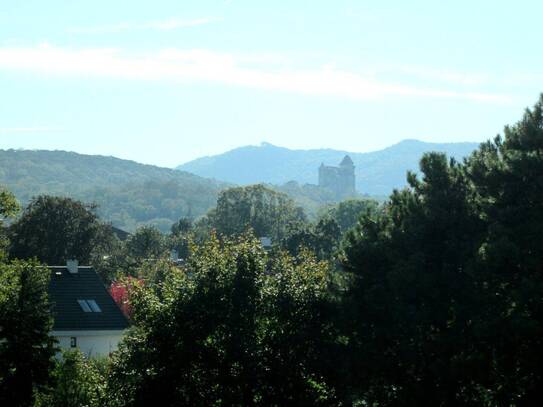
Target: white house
x,y
85,316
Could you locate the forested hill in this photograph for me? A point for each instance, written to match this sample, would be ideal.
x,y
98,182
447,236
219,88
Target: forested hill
x,y
128,193
377,173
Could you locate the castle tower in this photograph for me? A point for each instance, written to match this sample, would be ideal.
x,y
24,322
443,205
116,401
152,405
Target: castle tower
x,y
347,179
340,180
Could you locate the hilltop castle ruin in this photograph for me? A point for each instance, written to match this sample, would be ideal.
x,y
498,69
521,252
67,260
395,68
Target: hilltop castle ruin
x,y
340,180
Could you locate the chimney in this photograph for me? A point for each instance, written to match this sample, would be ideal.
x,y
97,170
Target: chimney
x,y
72,266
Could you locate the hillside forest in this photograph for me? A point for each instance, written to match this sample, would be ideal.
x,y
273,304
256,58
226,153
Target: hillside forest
x,y
127,194
130,194
431,298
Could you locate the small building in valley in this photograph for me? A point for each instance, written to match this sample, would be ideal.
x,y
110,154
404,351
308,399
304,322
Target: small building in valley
x,y
85,315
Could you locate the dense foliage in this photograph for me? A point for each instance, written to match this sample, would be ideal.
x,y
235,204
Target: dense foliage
x,y
55,229
322,238
235,328
447,295
128,194
8,208
347,213
267,212
157,203
8,204
26,349
434,298
76,381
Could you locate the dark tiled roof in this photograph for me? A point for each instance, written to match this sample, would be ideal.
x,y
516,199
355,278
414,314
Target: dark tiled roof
x,y
66,288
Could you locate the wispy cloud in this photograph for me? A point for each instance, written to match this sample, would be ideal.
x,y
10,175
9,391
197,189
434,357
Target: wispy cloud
x,y
29,129
208,66
443,75
161,25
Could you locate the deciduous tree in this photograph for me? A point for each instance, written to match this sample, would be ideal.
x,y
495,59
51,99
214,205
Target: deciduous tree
x,y
26,349
55,229
265,211
232,328
8,208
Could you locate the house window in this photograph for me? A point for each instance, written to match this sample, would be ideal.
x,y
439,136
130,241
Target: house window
x,y
94,307
84,306
73,342
89,306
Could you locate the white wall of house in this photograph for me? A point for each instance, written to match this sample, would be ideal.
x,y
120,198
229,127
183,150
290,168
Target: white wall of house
x,y
90,343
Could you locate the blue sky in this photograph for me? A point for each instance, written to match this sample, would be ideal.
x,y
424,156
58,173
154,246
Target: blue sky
x,y
164,82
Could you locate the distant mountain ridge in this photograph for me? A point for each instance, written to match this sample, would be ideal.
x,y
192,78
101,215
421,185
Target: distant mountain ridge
x,y
128,193
377,172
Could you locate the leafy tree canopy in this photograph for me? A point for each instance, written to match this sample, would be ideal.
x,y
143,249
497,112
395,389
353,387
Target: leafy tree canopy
x,y
234,328
8,208
182,226
266,212
55,229
76,381
346,213
146,243
26,349
8,204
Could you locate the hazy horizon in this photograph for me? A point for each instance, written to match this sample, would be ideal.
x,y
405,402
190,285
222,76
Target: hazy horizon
x,y
165,83
261,144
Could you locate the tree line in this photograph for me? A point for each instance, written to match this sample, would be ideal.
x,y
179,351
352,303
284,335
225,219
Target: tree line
x,y
433,298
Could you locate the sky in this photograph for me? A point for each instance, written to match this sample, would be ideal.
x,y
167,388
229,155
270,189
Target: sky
x,y
166,81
